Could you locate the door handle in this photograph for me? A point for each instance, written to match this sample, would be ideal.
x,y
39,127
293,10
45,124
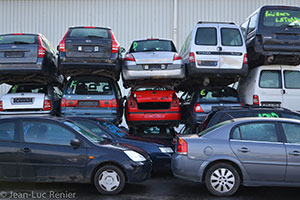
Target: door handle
x,y
243,150
283,91
295,153
219,48
25,150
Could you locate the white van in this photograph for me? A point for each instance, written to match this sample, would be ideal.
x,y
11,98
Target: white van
x,y
272,85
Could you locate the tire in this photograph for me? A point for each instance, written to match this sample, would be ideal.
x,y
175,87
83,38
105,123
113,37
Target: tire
x,y
222,179
109,179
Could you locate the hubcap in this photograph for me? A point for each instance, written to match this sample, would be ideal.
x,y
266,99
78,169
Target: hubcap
x,y
222,180
109,180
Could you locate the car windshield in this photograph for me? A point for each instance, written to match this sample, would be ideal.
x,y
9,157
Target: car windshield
x,y
89,86
89,32
218,95
86,132
28,88
152,45
17,39
153,131
202,133
281,18
112,128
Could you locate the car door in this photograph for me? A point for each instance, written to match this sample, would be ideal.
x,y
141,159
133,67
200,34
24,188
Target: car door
x,y
9,145
185,105
207,46
47,155
232,49
291,89
260,151
292,144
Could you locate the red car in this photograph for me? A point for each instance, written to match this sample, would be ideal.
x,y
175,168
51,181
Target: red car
x,y
152,104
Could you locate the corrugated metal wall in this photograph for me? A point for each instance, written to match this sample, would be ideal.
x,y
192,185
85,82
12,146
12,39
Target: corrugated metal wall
x,y
129,19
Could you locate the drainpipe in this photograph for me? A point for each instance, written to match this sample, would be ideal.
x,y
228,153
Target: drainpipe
x,y
175,23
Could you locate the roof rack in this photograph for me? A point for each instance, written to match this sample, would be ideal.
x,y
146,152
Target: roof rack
x,y
204,22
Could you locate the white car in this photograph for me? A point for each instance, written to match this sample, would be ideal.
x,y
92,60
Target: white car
x,y
30,99
272,85
215,50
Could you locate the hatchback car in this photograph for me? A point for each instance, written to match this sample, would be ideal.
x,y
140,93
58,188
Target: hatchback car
x,y
244,151
152,104
92,97
59,150
152,59
159,152
272,35
198,102
28,57
215,50
89,50
31,99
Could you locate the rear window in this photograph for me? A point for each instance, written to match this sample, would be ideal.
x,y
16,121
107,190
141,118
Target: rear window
x,y
270,79
291,79
152,45
157,88
154,131
231,37
28,88
281,17
218,95
18,39
215,127
206,36
89,32
89,87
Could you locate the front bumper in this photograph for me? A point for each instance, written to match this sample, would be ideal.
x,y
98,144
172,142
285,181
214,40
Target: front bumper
x,y
161,162
138,171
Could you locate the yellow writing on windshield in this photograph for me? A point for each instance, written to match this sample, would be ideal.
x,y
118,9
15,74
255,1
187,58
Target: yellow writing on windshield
x,y
276,14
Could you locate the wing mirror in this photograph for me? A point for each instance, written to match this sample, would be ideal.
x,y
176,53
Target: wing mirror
x,y
75,143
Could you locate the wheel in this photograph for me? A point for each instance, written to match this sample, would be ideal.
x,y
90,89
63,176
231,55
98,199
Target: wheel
x,y
222,179
109,179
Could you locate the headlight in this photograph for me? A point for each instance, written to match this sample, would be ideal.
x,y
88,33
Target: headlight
x,y
136,157
166,149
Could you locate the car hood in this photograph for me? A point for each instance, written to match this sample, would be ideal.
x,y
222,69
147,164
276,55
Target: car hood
x,y
157,141
154,95
125,147
23,101
154,57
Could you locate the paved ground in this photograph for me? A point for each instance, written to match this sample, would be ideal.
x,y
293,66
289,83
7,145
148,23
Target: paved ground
x,y
164,187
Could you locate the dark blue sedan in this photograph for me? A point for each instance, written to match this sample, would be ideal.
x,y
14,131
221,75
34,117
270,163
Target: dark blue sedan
x,y
159,153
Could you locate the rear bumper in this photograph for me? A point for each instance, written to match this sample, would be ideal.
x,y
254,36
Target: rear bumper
x,y
168,117
139,73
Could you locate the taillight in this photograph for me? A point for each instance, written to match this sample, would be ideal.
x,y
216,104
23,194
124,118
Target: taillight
x,y
114,103
115,44
1,106
242,104
71,103
191,57
198,108
89,27
62,44
42,49
175,101
63,103
132,102
129,57
177,57
255,100
109,103
181,146
18,34
47,105
245,60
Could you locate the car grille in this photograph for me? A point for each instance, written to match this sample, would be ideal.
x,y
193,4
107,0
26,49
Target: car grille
x,y
154,105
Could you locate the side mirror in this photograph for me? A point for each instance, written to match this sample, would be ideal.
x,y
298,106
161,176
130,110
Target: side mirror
x,y
75,143
122,50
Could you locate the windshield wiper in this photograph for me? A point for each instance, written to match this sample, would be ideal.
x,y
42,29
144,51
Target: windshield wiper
x,y
153,49
20,42
95,36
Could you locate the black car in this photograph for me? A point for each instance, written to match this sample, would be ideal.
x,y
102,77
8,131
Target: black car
x,y
198,102
220,114
272,35
59,150
159,150
27,57
89,50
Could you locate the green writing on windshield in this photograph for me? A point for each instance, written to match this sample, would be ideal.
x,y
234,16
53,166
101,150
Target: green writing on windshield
x,y
134,45
203,92
269,115
281,17
73,84
276,14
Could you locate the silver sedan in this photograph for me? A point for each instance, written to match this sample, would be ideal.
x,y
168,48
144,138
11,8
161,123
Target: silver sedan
x,y
247,151
152,59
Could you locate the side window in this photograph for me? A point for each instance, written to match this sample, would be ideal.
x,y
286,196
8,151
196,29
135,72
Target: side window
x,y
270,79
206,36
244,28
252,23
7,131
231,37
256,132
292,132
291,79
46,133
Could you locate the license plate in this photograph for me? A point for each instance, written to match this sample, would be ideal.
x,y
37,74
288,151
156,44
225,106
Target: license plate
x,y
88,49
22,100
154,115
207,63
270,104
88,103
14,54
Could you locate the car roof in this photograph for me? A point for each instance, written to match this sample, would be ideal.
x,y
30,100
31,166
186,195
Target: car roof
x,y
250,119
248,108
146,39
206,22
23,117
74,27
